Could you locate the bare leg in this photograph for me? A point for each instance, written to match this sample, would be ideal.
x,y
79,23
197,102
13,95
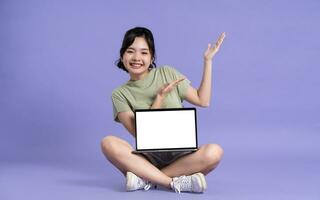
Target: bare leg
x,y
204,160
119,153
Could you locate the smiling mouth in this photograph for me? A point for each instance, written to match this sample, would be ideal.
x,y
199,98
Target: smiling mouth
x,y
135,65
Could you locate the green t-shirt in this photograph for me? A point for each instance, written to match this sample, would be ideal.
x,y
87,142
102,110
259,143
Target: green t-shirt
x,y
140,94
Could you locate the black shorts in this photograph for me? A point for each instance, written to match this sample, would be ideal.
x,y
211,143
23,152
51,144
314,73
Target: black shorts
x,y
163,159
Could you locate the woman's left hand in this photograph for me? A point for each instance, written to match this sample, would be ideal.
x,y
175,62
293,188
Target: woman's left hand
x,y
212,50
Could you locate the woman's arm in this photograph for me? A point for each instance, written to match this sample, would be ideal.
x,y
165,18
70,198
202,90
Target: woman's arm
x,y
127,118
201,97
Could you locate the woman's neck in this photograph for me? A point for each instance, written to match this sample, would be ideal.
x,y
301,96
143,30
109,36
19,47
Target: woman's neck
x,y
136,77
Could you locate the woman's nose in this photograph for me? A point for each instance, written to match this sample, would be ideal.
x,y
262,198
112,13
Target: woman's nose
x,y
136,56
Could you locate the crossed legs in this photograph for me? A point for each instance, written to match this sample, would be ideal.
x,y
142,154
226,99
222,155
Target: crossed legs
x,y
118,152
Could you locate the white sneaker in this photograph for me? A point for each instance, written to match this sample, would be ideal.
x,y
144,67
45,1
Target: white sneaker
x,y
194,183
136,183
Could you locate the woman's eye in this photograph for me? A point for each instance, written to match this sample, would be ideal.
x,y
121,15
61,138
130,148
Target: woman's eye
x,y
129,51
144,53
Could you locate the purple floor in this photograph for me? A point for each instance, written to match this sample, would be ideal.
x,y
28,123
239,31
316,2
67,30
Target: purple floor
x,y
244,174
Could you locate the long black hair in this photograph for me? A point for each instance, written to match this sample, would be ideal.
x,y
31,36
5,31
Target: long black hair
x,y
129,39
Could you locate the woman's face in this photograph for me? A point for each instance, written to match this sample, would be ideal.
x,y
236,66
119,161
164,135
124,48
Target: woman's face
x,y
137,58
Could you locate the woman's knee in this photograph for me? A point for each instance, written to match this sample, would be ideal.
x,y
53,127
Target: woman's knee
x,y
212,154
109,145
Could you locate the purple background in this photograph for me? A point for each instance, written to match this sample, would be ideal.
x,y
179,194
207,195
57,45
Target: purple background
x,y
57,72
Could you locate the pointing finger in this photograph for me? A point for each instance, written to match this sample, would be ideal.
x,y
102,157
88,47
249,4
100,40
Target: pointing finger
x,y
176,82
221,38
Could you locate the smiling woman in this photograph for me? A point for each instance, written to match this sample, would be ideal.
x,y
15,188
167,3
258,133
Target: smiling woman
x,y
137,59
149,88
148,46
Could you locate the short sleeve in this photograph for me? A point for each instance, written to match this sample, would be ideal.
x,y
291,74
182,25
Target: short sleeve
x,y
120,104
183,85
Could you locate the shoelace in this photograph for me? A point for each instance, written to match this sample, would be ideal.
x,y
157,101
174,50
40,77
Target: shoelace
x,y
144,184
147,186
182,183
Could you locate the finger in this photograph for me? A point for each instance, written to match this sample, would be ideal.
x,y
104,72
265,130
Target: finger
x,y
163,88
166,90
219,41
180,79
218,44
221,38
209,47
223,35
173,84
176,82
165,85
169,85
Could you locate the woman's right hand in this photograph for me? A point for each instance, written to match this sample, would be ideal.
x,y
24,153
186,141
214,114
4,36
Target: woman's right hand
x,y
168,87
164,91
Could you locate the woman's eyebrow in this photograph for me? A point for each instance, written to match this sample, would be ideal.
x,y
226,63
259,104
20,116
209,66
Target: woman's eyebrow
x,y
142,49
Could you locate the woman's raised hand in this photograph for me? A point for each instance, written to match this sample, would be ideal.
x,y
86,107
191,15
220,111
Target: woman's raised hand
x,y
212,50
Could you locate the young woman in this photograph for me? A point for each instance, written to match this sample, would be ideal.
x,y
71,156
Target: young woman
x,y
164,87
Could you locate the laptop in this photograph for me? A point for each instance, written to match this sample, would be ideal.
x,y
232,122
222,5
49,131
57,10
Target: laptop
x,y
162,130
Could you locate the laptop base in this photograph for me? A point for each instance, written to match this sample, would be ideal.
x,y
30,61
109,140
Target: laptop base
x,y
163,150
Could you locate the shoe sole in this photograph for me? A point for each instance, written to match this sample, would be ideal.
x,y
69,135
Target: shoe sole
x,y
130,177
202,179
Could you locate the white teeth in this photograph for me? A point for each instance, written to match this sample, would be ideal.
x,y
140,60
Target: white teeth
x,y
136,65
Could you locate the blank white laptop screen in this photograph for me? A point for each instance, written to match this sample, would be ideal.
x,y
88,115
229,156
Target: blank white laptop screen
x,y
166,129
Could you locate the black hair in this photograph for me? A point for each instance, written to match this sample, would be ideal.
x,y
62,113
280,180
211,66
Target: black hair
x,y
129,38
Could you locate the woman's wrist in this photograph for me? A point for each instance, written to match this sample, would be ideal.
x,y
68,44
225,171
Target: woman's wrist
x,y
207,60
207,63
160,98
157,103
